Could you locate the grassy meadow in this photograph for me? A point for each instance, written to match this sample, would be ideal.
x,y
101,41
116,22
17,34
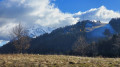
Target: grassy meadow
x,y
30,60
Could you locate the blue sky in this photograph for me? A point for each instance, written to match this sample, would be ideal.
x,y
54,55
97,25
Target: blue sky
x,y
73,6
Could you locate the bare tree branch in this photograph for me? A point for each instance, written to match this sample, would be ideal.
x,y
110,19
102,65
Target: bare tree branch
x,y
19,37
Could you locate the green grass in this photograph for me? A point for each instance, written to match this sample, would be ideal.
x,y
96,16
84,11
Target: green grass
x,y
29,60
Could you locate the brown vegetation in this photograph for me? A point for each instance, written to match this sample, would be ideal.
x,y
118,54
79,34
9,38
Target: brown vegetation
x,y
25,60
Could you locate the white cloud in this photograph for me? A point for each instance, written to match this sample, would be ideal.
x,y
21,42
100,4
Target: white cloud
x,y
102,14
31,12
42,12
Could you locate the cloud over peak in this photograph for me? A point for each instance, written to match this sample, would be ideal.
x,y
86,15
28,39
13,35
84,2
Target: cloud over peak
x,y
102,14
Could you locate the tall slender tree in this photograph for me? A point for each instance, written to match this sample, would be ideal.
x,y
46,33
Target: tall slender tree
x,y
20,39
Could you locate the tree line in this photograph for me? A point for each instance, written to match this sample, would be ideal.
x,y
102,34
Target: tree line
x,y
105,48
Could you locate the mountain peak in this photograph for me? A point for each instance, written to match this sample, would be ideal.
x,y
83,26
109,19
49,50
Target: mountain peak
x,y
102,8
100,14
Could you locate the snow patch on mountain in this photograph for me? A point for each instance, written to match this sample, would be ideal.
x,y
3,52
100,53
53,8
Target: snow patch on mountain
x,y
99,32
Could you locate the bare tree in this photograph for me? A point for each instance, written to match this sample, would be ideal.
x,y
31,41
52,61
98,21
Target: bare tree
x,y
80,46
19,37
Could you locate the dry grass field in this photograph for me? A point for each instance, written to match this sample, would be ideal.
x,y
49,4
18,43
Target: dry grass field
x,y
29,60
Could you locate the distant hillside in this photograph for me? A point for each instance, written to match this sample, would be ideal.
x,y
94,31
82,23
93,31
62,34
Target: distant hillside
x,y
59,40
115,23
62,40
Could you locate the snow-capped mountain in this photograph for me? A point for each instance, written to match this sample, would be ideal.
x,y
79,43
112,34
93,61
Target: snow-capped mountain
x,y
34,31
2,42
37,30
101,14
